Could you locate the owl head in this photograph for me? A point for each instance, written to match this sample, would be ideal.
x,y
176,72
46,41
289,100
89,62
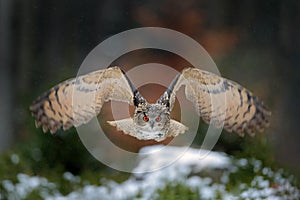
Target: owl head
x,y
152,121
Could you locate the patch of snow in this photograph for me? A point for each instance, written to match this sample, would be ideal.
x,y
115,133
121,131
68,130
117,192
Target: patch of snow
x,y
261,190
146,184
70,177
26,185
243,162
257,165
157,175
187,158
15,159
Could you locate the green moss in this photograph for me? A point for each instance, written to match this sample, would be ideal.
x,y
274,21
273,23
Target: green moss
x,y
177,192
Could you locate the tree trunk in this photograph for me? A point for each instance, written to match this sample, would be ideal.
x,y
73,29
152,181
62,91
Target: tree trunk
x,y
6,128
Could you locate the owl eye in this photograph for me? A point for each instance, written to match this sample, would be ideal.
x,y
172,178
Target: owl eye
x,y
145,118
158,119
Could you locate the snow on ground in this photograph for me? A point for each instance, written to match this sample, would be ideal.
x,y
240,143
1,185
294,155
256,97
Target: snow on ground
x,y
155,172
158,176
26,185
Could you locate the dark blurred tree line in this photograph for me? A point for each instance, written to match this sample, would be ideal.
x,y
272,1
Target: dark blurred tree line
x,y
255,43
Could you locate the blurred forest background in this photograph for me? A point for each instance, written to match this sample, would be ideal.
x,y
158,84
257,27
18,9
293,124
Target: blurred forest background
x,y
255,43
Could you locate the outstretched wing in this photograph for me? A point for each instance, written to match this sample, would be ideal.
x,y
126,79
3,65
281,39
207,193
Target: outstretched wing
x,y
219,101
76,101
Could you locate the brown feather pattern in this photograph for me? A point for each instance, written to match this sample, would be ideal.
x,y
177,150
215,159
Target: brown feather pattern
x,y
222,102
217,100
76,101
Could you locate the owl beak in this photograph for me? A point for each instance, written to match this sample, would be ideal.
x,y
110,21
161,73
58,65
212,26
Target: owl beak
x,y
151,125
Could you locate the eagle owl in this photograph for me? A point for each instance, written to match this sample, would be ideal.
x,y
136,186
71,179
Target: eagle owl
x,y
240,111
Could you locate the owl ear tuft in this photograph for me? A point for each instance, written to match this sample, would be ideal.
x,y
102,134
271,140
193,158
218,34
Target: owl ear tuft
x,y
165,99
